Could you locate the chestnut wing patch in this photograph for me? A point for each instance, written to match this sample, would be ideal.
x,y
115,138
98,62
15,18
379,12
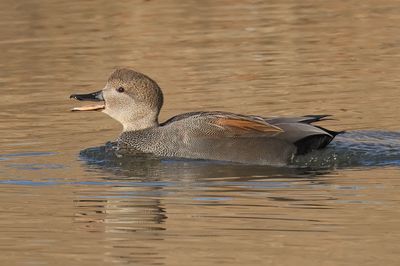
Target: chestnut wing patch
x,y
246,126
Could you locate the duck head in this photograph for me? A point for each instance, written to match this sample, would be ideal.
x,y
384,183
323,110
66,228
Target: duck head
x,y
130,97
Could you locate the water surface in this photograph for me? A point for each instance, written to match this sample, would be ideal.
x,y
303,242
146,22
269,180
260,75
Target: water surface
x,y
64,200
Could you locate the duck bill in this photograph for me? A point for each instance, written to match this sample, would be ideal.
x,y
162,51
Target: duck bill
x,y
93,97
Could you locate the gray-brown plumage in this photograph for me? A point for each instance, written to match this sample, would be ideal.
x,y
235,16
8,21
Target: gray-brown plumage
x,y
135,101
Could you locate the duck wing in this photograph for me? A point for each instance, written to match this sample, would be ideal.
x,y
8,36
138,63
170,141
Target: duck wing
x,y
224,124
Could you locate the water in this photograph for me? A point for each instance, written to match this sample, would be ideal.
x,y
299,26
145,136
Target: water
x,y
65,199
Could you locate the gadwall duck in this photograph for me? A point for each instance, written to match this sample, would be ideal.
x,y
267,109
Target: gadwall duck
x,y
135,100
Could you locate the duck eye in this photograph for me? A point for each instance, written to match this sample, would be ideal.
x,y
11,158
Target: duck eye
x,y
120,89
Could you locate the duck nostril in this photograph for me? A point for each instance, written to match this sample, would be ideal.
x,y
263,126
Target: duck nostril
x,y
120,89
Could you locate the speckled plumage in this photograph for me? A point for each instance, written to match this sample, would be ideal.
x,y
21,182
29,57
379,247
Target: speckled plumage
x,y
204,135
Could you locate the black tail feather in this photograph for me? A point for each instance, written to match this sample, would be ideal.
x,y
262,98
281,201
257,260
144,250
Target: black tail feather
x,y
316,118
314,142
331,132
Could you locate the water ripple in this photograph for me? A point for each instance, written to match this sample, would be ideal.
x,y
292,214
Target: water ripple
x,y
353,149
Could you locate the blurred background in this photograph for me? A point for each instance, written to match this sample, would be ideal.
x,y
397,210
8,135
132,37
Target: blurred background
x,y
254,57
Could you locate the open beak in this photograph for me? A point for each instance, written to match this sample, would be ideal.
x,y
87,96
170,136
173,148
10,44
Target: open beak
x,y
94,97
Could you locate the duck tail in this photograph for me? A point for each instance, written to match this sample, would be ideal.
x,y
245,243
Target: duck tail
x,y
331,132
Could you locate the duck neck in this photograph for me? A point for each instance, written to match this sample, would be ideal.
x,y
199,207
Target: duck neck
x,y
140,124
